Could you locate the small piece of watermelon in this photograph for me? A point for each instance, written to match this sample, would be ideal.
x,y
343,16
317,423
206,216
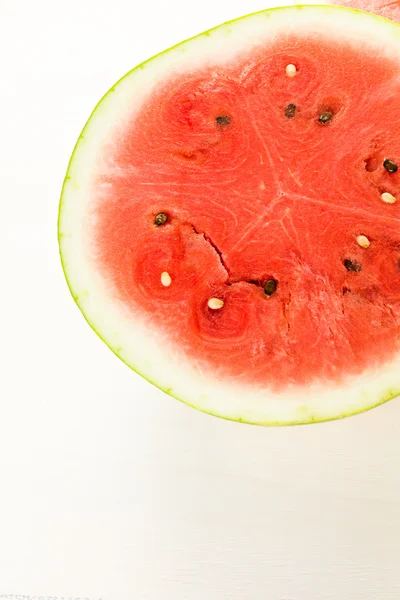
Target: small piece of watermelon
x,y
230,220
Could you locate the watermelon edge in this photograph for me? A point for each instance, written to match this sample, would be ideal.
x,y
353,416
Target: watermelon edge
x,y
308,419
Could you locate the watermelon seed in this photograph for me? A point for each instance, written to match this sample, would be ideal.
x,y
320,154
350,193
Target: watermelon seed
x,y
160,219
223,120
325,117
363,241
215,303
270,286
290,111
390,166
291,70
166,279
352,265
388,198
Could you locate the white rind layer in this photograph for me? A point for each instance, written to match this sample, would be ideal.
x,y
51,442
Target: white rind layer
x,y
136,342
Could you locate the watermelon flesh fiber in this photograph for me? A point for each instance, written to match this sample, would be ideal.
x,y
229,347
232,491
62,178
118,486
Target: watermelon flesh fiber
x,y
257,187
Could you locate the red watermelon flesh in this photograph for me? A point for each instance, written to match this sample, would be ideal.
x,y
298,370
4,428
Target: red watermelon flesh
x,y
263,196
230,220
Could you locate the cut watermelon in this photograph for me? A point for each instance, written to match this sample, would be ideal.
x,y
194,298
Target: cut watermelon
x,y
229,223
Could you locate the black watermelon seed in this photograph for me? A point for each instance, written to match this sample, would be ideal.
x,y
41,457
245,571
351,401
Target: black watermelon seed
x,y
290,111
352,265
160,219
390,166
223,120
325,117
270,286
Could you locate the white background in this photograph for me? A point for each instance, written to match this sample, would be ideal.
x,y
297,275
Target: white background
x,y
108,488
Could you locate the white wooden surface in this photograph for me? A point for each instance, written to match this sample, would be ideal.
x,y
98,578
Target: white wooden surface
x,y
108,488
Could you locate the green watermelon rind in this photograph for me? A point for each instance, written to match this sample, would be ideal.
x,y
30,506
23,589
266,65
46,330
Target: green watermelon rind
x,y
309,418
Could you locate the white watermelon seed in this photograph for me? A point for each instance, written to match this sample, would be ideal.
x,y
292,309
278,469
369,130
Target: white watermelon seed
x,y
363,241
291,70
166,279
215,303
388,198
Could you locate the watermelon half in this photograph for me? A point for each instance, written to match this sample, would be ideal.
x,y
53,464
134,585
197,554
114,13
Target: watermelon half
x,y
230,220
